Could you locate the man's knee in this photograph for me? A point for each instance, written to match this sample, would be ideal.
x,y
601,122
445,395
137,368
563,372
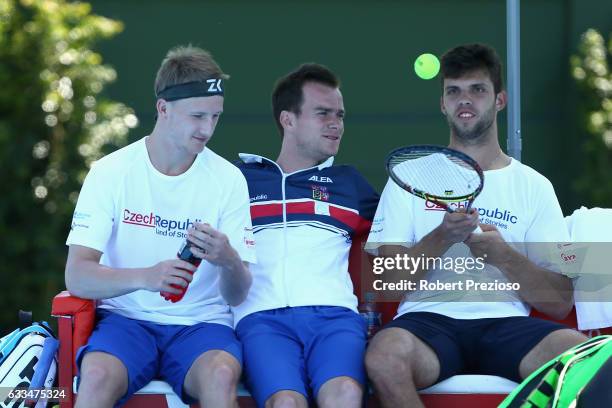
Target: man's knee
x,y
218,369
225,373
340,391
397,355
389,354
286,399
348,388
103,374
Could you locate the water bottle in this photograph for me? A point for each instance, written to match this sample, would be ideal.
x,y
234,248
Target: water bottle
x,y
370,313
185,254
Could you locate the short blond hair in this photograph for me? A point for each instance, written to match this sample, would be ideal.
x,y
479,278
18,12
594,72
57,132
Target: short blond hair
x,y
186,64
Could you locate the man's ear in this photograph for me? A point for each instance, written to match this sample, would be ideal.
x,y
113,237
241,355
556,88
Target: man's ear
x,y
162,107
500,100
287,119
442,108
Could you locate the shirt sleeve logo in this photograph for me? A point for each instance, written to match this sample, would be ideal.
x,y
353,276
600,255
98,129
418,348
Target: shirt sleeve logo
x,y
249,241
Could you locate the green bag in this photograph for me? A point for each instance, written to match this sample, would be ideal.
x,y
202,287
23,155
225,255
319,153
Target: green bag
x,y
580,377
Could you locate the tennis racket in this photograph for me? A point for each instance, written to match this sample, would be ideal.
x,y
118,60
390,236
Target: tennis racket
x,y
437,174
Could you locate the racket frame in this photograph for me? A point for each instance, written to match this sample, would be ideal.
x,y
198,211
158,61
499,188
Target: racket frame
x,y
440,201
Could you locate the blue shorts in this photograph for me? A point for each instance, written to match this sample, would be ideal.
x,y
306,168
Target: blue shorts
x,y
301,348
150,350
493,346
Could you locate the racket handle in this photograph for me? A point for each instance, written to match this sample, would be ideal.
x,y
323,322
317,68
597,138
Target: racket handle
x,y
46,357
477,230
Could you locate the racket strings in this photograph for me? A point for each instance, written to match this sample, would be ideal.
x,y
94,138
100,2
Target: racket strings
x,y
435,174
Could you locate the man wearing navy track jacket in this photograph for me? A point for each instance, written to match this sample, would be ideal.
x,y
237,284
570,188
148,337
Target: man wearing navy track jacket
x,y
303,338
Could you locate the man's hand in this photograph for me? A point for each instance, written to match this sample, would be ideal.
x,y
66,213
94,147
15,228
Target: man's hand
x,y
547,291
457,226
211,245
166,273
490,245
214,246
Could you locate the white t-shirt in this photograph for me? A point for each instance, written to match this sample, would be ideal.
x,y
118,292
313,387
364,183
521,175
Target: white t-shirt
x,y
137,217
519,201
593,228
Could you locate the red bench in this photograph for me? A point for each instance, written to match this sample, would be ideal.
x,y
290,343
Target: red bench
x,y
76,319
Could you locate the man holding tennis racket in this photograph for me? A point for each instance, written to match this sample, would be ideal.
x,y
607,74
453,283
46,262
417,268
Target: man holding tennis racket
x,y
302,337
136,208
438,334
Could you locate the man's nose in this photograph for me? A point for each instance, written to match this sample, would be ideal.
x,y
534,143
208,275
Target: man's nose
x,y
334,123
206,127
464,99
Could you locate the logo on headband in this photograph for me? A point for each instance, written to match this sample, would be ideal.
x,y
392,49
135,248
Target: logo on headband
x,y
215,85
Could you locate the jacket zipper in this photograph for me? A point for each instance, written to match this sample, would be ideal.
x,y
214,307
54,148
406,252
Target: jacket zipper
x,y
285,237
285,251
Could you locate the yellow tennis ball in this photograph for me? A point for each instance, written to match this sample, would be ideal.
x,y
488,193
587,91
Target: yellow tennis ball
x,y
427,66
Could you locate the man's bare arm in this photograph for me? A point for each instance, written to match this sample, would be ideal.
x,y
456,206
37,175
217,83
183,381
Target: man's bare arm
x,y
549,292
87,278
